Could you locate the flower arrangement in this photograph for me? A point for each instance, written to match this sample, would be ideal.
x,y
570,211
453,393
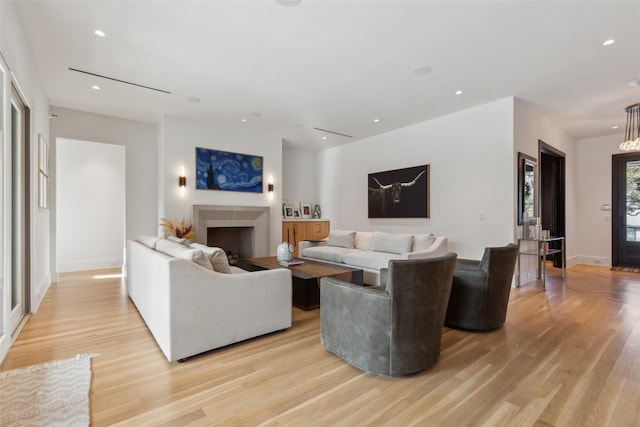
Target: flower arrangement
x,y
180,229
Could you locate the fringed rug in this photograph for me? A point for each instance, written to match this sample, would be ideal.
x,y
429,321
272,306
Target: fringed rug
x,y
626,269
52,394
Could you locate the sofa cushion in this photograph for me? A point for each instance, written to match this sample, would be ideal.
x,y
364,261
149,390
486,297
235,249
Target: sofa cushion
x,y
422,242
325,253
341,239
392,243
149,241
217,257
180,251
368,259
364,239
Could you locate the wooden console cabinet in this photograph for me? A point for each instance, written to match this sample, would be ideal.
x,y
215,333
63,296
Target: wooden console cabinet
x,y
296,231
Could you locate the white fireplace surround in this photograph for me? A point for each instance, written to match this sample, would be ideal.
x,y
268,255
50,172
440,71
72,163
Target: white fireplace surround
x,y
208,216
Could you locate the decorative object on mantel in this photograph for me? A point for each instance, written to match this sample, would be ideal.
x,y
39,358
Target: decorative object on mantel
x,y
399,193
305,209
221,170
316,212
632,130
288,211
181,229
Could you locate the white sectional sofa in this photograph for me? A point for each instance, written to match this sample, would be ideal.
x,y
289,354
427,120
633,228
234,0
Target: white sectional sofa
x,y
372,250
190,308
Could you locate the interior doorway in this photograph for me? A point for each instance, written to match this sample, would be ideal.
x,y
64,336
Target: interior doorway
x,y
90,205
18,240
552,194
625,210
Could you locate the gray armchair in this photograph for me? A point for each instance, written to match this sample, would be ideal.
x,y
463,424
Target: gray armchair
x,y
395,328
480,291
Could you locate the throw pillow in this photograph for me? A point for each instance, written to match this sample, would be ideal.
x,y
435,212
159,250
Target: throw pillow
x,y
392,243
341,239
364,240
422,242
180,240
179,251
149,241
217,257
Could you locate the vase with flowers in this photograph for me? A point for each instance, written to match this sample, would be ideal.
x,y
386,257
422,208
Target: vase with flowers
x,y
180,229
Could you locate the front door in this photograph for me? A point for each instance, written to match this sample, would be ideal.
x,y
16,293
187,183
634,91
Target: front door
x,y
626,209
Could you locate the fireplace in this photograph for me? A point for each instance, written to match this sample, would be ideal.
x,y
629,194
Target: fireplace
x,y
243,230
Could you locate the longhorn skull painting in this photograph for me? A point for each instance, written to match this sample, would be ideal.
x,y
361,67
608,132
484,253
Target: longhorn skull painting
x,y
399,193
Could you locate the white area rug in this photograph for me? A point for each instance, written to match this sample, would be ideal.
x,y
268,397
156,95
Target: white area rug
x,y
52,394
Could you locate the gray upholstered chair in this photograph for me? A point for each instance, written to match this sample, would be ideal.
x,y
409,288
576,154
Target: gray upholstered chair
x,y
480,291
395,328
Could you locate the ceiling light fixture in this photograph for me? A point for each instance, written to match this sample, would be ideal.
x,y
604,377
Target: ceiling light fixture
x,y
632,130
608,42
633,83
376,120
458,92
99,33
95,87
614,127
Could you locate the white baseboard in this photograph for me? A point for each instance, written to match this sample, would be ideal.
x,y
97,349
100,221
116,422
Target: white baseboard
x,y
90,265
590,260
40,292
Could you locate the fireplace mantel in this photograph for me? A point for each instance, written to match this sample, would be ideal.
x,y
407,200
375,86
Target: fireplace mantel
x,y
207,216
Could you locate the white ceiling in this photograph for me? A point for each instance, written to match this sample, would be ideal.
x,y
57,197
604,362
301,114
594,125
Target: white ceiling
x,y
338,65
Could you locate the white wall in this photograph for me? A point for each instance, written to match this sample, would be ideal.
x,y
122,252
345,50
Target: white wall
x,y
594,189
90,205
17,53
179,139
472,177
141,142
300,183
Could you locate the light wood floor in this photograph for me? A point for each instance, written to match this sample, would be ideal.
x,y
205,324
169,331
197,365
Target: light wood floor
x,y
567,357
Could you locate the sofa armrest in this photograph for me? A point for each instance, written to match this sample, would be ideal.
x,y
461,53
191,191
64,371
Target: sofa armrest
x,y
439,247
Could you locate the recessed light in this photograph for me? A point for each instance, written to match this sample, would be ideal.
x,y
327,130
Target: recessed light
x,y
458,92
422,71
193,99
376,120
95,87
243,120
99,33
614,127
608,42
324,137
634,83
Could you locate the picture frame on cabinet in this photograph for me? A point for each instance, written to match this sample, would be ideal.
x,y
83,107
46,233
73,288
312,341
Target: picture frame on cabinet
x,y
305,210
296,213
288,211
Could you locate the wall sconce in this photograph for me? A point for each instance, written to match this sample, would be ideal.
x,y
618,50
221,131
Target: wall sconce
x,y
182,181
270,187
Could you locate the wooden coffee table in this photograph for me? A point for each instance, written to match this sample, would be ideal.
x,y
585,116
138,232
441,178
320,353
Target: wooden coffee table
x,y
306,278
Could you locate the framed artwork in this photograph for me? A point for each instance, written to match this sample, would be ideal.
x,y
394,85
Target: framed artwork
x,y
43,173
288,211
296,213
399,193
305,210
222,170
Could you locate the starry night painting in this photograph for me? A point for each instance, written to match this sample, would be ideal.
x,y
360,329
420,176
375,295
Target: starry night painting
x,y
221,170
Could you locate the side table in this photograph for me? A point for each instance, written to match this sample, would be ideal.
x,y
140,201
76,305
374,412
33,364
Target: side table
x,y
542,251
